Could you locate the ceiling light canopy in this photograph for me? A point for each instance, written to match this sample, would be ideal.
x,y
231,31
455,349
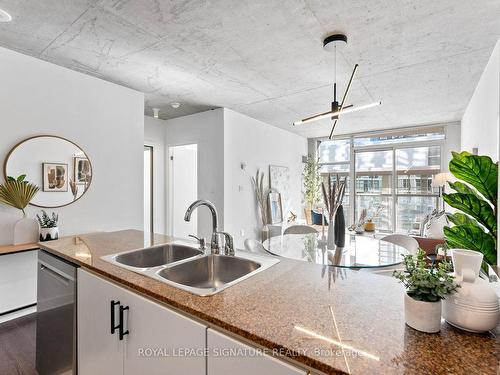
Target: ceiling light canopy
x,y
330,44
4,16
156,112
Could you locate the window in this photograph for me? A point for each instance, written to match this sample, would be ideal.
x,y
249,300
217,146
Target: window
x,y
334,159
391,173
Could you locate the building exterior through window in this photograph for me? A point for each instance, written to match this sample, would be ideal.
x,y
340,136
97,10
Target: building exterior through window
x,y
392,174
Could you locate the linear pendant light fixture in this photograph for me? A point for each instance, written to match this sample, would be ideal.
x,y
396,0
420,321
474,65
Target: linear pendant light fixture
x,y
330,44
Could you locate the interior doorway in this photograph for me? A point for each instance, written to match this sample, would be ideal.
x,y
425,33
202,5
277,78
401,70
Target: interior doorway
x,y
148,189
183,188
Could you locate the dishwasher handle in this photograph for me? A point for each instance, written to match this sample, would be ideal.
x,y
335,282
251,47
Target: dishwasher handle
x,y
56,273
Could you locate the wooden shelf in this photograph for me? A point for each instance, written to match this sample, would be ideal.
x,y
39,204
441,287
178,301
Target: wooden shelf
x,y
8,249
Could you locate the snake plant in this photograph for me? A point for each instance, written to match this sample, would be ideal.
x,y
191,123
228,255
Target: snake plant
x,y
17,192
475,227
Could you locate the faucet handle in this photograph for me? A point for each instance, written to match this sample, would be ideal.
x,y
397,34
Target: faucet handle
x,y
229,244
202,241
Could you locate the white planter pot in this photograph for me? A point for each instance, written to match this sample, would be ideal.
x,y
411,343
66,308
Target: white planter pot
x,y
49,234
423,316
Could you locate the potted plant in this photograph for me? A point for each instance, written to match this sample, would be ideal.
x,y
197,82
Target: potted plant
x,y
370,223
48,226
425,288
476,197
312,183
18,193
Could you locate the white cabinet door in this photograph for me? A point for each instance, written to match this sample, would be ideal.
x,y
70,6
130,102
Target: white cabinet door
x,y
99,351
161,341
18,281
227,356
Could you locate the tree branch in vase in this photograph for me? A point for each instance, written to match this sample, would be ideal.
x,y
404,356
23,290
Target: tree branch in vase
x,y
333,195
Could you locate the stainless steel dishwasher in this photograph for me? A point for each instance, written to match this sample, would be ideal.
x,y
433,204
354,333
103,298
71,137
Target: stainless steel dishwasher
x,y
56,318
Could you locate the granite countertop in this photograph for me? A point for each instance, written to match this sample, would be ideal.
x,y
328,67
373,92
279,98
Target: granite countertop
x,y
331,320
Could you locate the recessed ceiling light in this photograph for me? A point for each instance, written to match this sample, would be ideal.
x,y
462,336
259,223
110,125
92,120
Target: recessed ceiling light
x,y
4,16
175,105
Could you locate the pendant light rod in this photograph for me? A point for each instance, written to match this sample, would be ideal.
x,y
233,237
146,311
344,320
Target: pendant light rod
x,y
346,110
343,99
330,44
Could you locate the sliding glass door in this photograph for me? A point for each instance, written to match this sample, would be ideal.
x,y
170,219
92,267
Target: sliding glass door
x,y
388,173
397,183
415,196
374,186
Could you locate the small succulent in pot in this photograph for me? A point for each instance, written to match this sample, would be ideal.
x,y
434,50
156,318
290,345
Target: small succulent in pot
x,y
425,288
49,229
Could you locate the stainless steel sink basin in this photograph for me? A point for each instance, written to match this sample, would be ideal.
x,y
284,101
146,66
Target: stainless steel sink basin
x,y
185,267
211,271
211,274
155,256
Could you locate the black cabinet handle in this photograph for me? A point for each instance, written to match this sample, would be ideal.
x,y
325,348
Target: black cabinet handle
x,y
121,332
112,306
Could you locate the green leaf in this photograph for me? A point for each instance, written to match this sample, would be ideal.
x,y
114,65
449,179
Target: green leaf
x,y
459,218
473,238
478,171
473,205
21,178
10,178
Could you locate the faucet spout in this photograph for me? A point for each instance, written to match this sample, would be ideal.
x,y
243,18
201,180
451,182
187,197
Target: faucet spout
x,y
211,207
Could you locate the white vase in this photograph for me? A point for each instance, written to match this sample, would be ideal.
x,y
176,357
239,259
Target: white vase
x,y
466,264
423,316
49,234
330,240
474,307
25,231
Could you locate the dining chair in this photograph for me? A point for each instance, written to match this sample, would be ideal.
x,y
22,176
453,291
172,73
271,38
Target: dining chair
x,y
300,229
254,246
409,243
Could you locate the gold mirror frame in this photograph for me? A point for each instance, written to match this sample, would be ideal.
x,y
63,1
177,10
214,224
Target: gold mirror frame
x,y
50,136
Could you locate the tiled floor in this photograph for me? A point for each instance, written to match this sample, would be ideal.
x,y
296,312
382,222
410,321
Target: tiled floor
x,y
17,346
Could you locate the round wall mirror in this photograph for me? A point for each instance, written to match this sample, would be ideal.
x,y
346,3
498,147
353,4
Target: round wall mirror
x,y
59,167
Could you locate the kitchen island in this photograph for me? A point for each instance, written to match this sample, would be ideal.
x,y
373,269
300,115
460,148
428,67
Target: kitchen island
x,y
321,319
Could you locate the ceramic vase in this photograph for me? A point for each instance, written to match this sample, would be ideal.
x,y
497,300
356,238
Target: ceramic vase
x,y
423,316
330,240
49,234
25,231
340,227
370,226
474,307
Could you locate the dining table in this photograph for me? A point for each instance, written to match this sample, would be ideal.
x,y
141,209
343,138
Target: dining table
x,y
357,252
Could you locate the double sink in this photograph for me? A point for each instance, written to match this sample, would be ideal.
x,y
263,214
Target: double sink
x,y
186,267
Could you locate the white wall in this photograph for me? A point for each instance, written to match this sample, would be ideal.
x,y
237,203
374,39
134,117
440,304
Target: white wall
x,y
258,145
206,129
480,123
105,119
154,135
480,120
452,132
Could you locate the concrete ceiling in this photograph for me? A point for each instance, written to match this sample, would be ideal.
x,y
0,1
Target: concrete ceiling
x,y
264,58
